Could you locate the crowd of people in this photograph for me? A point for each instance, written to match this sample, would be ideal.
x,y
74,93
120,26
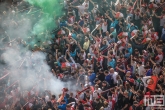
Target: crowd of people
x,y
107,49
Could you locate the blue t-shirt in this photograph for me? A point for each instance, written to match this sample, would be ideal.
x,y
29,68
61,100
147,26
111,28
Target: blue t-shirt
x,y
73,54
112,63
62,107
63,23
81,23
108,79
114,24
130,50
92,78
74,36
149,72
114,33
112,40
128,27
59,64
133,28
127,55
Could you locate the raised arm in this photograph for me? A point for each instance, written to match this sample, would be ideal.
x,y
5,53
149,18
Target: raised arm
x,y
95,29
74,1
73,6
108,17
75,40
113,12
56,54
67,29
92,2
79,46
93,36
104,56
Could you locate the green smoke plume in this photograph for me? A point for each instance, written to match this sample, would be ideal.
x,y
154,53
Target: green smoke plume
x,y
51,9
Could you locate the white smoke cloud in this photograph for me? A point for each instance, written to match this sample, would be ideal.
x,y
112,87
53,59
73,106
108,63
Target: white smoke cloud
x,y
30,69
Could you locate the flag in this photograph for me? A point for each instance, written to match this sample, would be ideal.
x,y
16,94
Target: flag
x,y
150,82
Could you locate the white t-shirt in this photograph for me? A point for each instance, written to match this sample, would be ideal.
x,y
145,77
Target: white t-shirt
x,y
141,70
157,70
95,92
81,9
86,5
114,76
83,55
91,51
104,27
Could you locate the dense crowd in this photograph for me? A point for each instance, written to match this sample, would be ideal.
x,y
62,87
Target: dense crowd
x,y
106,49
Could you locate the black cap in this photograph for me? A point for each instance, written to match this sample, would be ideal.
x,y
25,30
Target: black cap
x,y
96,80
